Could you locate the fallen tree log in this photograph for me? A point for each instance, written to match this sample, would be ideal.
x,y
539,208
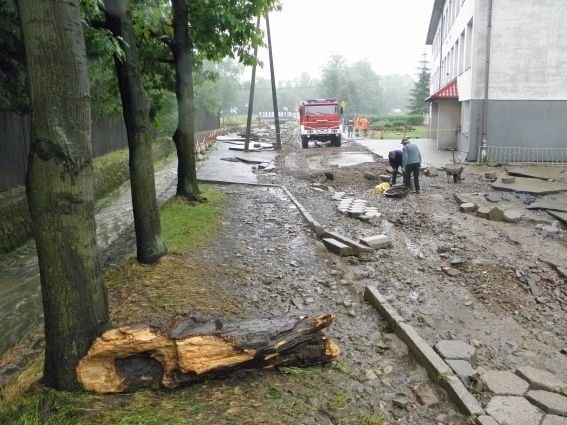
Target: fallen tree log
x,y
191,348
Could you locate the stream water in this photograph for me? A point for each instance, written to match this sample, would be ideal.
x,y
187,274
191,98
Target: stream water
x,y
20,292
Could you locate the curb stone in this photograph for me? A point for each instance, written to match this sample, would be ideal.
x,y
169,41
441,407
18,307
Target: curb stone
x,y
437,369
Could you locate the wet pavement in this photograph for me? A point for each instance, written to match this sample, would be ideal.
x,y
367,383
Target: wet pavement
x,y
233,166
428,147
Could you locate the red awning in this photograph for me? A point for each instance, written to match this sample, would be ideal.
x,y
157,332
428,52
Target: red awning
x,y
447,92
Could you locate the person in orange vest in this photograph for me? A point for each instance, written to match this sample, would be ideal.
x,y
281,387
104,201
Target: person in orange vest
x,y
356,126
364,125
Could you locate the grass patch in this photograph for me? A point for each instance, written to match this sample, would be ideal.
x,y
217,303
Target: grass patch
x,y
186,226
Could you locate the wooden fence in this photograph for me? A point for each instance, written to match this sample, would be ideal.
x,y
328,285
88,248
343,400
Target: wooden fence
x,y
108,135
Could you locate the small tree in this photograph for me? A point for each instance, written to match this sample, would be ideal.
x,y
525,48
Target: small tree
x,y
420,91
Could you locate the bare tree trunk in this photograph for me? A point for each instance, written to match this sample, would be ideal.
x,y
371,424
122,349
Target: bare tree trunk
x,y
60,186
184,136
136,111
192,348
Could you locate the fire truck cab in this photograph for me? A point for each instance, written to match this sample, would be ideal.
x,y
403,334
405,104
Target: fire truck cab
x,y
320,119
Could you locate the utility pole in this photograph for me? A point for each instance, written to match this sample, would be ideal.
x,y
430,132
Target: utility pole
x,y
274,95
251,98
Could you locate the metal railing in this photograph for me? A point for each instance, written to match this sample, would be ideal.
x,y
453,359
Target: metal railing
x,y
521,155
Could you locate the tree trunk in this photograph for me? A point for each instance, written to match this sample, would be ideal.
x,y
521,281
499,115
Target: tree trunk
x,y
136,111
184,136
60,186
193,348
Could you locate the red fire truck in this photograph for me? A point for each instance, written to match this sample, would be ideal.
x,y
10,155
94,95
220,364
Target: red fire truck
x,y
320,119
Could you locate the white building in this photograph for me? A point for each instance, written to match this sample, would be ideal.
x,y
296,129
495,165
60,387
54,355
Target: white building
x,y
499,78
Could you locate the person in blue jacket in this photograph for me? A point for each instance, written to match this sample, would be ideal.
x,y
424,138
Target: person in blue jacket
x,y
411,163
395,159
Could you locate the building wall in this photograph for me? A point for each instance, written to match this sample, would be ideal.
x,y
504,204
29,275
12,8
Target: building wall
x,y
528,60
532,123
527,82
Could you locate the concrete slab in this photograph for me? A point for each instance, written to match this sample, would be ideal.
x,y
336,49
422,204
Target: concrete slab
x,y
538,172
504,383
527,185
513,411
486,420
561,216
549,402
377,241
337,247
554,420
455,349
216,169
548,205
357,248
540,379
462,368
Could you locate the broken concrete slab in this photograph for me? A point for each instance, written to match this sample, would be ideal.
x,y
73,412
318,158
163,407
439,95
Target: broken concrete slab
x,y
559,215
538,172
513,411
504,383
541,379
549,402
462,368
527,185
455,349
377,241
512,216
337,247
548,205
468,207
554,420
486,420
357,247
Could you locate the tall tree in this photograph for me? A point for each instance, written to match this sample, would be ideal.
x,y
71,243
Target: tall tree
x,y
333,75
136,111
420,91
202,32
184,136
60,186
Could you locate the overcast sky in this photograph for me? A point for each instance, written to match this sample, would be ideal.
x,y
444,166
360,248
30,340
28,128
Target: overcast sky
x,y
390,34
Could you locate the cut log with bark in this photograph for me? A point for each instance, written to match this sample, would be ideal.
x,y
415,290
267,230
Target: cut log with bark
x,y
192,348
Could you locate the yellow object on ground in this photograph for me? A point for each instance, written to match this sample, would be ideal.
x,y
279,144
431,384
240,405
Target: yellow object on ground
x,y
381,188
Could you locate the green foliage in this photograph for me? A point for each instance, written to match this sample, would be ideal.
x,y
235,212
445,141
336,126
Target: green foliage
x,y
13,74
274,393
230,31
396,122
185,226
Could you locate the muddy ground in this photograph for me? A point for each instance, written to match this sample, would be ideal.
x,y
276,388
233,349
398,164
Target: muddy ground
x,y
503,293
508,292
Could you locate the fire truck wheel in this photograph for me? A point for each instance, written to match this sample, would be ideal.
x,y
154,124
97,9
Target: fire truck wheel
x,y
304,142
338,141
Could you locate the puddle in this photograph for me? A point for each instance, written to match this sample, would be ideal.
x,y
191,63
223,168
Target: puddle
x,y
316,161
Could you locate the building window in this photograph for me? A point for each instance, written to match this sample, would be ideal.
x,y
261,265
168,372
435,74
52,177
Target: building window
x,y
465,116
461,52
468,53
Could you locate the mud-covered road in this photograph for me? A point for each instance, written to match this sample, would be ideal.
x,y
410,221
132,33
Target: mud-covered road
x,y
452,275
506,289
